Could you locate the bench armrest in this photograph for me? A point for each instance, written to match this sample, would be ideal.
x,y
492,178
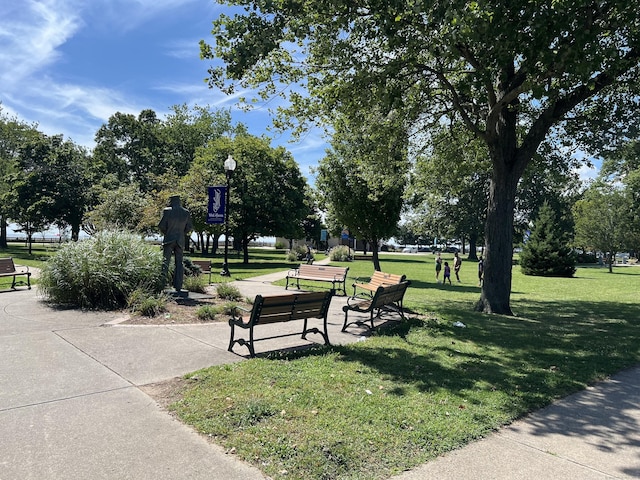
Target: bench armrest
x,y
236,312
25,268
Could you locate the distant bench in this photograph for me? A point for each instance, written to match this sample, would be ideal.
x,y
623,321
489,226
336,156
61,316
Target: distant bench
x,y
204,266
320,273
8,269
282,308
378,279
387,298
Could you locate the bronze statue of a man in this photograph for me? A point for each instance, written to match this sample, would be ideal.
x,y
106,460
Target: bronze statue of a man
x,y
175,225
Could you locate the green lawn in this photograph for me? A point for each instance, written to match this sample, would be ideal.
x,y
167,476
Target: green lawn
x,y
410,393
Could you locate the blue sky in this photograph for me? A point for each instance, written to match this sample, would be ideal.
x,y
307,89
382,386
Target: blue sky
x,y
68,65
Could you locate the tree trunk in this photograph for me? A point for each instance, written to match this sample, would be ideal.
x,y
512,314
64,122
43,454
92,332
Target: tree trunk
x,y
473,246
75,232
245,249
508,166
3,233
498,253
374,255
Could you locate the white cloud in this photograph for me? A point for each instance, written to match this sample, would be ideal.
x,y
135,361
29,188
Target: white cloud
x,y
29,41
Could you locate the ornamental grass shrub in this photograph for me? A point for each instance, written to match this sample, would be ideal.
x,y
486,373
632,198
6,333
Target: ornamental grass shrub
x,y
340,254
102,271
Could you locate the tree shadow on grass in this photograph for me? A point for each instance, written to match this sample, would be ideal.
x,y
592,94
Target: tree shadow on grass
x,y
559,348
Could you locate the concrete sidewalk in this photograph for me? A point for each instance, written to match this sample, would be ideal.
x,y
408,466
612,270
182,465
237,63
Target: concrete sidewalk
x,y
71,406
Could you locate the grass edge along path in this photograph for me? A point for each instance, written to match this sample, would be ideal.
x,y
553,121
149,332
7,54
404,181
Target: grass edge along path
x,y
416,390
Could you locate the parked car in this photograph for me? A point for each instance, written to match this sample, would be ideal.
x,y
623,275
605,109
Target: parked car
x,y
424,249
410,250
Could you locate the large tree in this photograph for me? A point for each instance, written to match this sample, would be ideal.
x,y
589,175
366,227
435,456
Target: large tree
x,y
602,218
142,149
51,185
267,189
14,133
514,72
363,176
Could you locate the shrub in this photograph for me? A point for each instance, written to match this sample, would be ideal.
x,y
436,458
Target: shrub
x,y
145,303
102,271
190,268
547,252
297,254
227,291
196,284
209,312
340,254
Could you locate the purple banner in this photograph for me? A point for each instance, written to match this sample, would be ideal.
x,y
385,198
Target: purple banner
x,y
216,208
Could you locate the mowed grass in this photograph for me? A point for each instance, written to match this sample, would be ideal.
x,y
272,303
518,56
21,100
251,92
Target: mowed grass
x,y
414,391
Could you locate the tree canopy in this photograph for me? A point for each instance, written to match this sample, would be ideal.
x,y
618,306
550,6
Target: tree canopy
x,y
363,176
267,189
602,218
515,73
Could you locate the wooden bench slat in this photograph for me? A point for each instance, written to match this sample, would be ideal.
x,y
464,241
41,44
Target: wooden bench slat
x,y
320,273
388,298
378,279
283,308
205,267
8,269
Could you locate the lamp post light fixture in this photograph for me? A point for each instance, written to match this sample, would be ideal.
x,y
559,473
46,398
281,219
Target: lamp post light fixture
x,y
229,167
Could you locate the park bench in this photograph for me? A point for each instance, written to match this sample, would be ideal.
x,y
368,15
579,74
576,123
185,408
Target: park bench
x,y
205,267
8,269
282,308
362,256
378,279
387,298
320,273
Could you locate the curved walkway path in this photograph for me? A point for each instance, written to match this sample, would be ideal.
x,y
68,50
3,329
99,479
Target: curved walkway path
x,y
71,406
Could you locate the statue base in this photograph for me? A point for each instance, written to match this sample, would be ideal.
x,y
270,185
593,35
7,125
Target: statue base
x,y
177,293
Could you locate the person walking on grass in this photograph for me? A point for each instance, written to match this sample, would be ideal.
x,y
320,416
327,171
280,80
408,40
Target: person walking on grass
x,y
457,263
438,267
447,273
480,270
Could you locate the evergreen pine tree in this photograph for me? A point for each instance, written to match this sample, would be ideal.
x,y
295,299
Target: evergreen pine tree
x,y
546,252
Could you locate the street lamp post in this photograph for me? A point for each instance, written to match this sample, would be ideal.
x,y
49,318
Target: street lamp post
x,y
229,167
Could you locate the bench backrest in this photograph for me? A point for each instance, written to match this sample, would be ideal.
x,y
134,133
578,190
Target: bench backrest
x,y
296,306
205,265
379,279
7,265
323,271
389,294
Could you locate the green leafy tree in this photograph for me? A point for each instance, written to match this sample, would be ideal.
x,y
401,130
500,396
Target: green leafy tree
x,y
13,135
623,166
132,148
450,186
185,130
120,209
547,251
204,172
514,73
267,189
312,224
363,177
602,217
52,185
